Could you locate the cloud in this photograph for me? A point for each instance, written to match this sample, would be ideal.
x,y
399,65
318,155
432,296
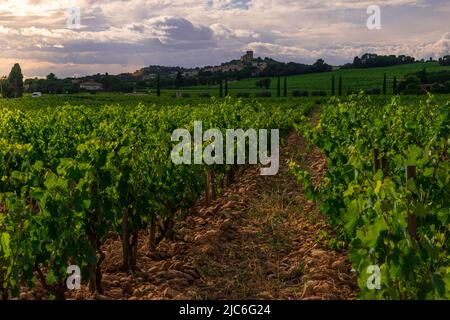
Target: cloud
x,y
230,4
442,47
176,30
121,35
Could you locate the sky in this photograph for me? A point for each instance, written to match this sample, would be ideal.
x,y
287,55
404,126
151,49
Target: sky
x,y
118,36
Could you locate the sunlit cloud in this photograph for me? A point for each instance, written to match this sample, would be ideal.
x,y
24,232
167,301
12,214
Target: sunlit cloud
x,y
121,36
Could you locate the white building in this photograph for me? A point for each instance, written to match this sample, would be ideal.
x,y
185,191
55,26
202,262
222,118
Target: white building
x,y
91,86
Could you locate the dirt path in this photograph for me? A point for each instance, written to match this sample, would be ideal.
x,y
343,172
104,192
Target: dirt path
x,y
260,240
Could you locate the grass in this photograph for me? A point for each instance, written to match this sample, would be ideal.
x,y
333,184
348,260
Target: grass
x,y
102,99
353,79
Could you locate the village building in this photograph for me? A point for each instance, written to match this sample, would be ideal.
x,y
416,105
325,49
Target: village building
x,y
91,86
248,57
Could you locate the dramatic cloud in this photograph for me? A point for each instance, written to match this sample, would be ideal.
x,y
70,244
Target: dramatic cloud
x,y
125,35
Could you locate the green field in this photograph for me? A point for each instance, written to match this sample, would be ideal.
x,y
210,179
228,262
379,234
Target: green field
x,y
353,79
129,101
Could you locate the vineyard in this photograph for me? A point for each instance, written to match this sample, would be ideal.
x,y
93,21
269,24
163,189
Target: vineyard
x,y
73,177
387,191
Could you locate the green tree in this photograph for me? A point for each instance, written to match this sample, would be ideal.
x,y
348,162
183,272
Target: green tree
x,y
321,66
158,85
15,81
179,80
444,61
279,87
263,83
51,76
411,85
4,87
53,84
333,88
423,76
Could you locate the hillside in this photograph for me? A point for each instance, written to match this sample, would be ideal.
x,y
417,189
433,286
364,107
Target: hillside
x,y
353,79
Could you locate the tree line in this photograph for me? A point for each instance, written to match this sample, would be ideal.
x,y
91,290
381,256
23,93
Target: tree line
x,y
445,61
12,86
372,60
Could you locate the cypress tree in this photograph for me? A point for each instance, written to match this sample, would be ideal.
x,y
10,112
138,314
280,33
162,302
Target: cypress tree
x,y
424,76
158,85
340,86
15,81
385,84
279,87
333,87
179,80
3,87
285,87
394,85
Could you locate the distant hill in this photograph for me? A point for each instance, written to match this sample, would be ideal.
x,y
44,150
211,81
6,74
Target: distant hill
x,y
243,74
353,79
245,67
